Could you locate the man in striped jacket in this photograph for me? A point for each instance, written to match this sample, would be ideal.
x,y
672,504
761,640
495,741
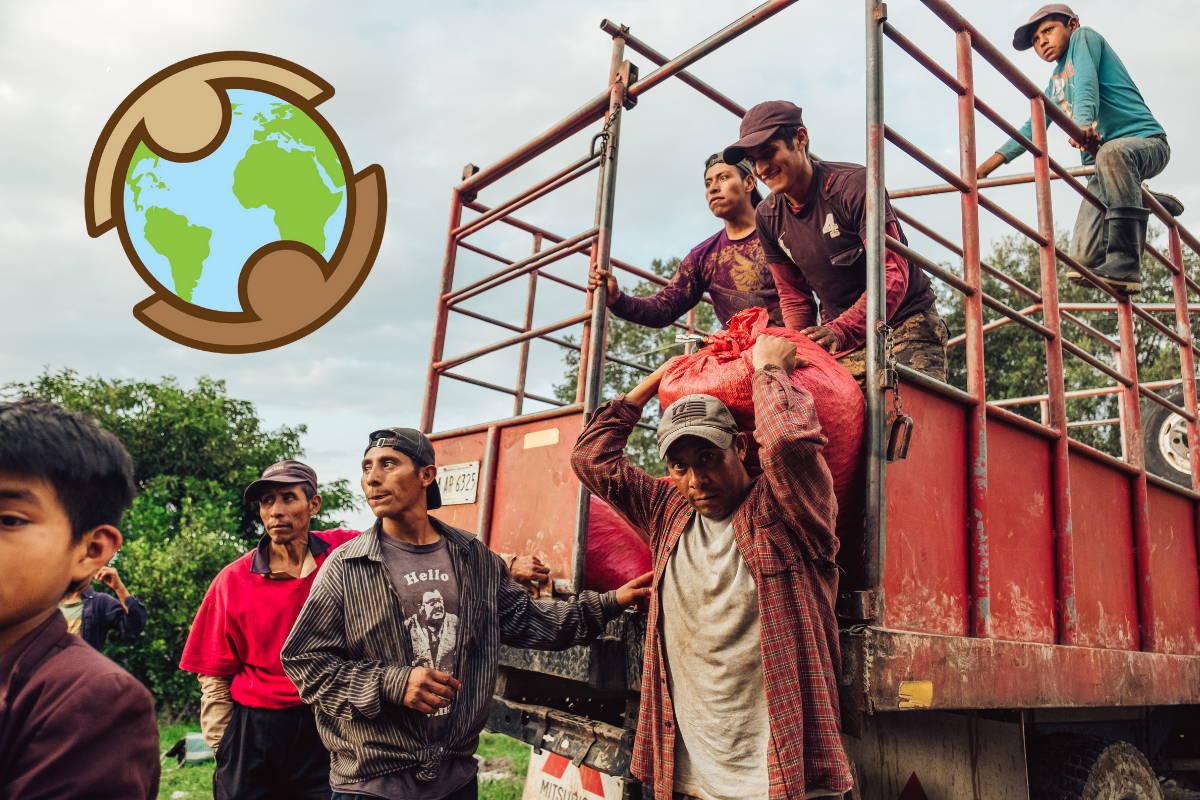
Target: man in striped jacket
x,y
396,648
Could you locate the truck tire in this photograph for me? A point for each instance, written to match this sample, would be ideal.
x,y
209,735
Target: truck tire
x,y
1165,439
1074,767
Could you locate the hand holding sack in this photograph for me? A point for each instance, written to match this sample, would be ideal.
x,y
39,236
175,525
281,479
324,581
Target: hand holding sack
x,y
723,369
617,552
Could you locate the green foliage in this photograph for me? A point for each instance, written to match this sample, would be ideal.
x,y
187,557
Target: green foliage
x,y
1015,357
640,345
194,450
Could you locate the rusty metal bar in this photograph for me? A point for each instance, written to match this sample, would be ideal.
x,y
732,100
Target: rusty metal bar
x,y
536,333
523,357
875,534
1020,226
1160,258
1131,439
920,156
897,246
517,268
986,183
1187,363
561,178
1155,397
1075,394
721,37
638,46
482,427
495,387
923,59
977,455
487,485
1060,468
1093,423
429,407
1095,363
1004,125
1158,325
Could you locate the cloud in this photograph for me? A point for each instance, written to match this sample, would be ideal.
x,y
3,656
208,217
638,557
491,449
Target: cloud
x,y
423,91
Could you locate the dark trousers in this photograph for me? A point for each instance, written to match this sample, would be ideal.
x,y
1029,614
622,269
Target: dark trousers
x,y
468,792
271,754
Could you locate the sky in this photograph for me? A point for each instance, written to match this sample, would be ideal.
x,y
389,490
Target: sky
x,y
424,89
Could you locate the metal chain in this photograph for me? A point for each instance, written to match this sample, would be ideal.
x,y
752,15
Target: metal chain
x,y
889,366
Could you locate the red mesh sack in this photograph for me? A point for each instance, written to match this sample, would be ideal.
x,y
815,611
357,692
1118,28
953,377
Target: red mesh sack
x,y
723,369
616,552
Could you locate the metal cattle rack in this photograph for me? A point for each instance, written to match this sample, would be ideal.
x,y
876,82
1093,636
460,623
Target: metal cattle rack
x,y
625,88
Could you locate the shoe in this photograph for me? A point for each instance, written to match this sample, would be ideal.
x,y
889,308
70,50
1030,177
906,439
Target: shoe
x,y
1125,229
1170,202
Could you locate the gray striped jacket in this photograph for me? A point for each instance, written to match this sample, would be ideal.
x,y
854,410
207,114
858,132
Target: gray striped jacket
x,y
349,654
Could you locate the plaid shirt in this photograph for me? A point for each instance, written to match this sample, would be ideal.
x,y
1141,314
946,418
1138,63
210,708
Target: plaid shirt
x,y
784,531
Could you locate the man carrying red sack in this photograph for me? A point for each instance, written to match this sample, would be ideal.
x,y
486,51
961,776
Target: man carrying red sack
x,y
813,229
739,697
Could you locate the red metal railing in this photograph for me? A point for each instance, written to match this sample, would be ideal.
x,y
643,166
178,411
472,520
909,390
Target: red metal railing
x,y
969,44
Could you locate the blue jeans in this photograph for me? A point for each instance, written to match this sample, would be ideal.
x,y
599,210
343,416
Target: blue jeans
x,y
1121,166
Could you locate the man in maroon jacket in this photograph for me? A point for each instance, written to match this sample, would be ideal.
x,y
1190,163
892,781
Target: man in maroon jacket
x,y
739,696
72,723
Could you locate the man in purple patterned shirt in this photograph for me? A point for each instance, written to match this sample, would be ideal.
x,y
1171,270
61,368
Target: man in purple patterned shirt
x,y
730,265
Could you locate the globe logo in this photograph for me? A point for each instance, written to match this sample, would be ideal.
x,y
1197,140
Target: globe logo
x,y
235,201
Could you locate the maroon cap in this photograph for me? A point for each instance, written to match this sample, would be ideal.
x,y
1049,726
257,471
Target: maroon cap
x,y
759,124
1023,38
282,472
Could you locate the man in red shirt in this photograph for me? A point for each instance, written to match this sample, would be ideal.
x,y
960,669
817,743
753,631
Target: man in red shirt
x,y
264,734
813,232
739,695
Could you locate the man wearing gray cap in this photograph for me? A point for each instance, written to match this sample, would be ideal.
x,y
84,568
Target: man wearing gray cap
x,y
739,696
729,265
250,713
1121,137
398,643
813,229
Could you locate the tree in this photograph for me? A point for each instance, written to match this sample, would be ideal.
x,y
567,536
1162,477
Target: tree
x,y
194,450
1015,357
640,345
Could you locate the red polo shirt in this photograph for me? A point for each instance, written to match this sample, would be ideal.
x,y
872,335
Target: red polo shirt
x,y
244,620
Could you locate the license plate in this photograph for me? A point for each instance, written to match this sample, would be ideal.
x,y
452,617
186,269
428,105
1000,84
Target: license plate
x,y
458,483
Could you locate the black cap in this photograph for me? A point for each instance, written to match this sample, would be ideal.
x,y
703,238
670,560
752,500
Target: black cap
x,y
282,473
744,166
416,446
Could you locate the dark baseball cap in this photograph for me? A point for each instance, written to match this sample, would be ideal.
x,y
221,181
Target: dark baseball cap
x,y
759,124
699,415
282,473
1023,38
416,446
744,166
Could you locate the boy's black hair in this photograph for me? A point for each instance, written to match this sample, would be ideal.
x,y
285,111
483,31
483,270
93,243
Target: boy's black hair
x,y
89,468
786,134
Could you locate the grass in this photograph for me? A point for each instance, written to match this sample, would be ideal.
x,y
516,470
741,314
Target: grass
x,y
196,779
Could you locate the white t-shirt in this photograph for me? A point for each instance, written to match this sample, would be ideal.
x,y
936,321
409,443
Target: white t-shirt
x,y
710,632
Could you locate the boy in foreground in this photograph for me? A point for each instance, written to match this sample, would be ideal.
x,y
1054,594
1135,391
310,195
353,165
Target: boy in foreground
x,y
72,723
1121,137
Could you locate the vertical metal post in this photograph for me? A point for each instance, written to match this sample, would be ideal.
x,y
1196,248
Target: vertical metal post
x,y
1131,438
591,357
874,539
1187,361
429,407
523,358
1060,467
977,464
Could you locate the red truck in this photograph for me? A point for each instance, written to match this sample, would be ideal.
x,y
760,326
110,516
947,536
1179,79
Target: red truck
x,y
1025,618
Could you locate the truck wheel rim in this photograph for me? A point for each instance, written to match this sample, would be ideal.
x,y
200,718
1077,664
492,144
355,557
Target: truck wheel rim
x,y
1173,443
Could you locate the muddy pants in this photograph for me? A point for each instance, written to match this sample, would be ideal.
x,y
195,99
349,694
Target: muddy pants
x,y
918,342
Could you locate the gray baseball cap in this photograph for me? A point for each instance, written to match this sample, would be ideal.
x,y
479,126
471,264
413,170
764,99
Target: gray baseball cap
x,y
699,415
1023,38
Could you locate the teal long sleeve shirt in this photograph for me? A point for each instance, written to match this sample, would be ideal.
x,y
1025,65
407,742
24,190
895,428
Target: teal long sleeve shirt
x,y
1091,85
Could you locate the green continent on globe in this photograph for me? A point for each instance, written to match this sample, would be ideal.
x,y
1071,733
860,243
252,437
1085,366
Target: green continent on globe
x,y
287,180
185,246
140,154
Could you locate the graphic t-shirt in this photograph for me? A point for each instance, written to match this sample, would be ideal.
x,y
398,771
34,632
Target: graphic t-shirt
x,y
74,614
424,578
734,272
